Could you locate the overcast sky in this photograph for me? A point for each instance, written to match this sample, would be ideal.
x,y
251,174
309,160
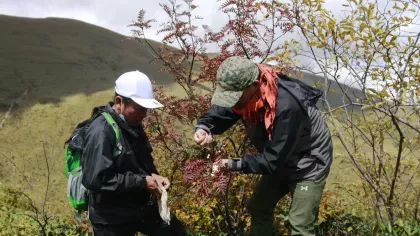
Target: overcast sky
x,y
115,15
111,14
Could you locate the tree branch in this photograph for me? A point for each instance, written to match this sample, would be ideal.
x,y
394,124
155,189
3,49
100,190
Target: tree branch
x,y
397,167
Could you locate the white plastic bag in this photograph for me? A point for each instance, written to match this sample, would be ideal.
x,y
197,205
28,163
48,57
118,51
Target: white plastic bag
x,y
164,212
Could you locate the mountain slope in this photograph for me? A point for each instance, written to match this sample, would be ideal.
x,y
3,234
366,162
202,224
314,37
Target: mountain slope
x,y
54,58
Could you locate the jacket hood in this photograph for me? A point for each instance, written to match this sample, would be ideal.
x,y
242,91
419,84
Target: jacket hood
x,y
305,94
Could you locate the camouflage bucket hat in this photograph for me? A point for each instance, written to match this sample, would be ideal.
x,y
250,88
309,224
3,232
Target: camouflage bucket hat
x,y
234,75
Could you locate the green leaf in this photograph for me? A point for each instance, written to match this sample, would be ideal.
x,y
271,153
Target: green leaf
x,y
393,38
366,107
332,59
331,25
319,31
380,104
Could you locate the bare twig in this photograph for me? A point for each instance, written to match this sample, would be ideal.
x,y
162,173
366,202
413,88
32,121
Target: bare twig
x,y
44,214
25,178
397,167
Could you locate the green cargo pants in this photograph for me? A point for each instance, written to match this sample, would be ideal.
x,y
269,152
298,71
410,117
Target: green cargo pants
x,y
306,195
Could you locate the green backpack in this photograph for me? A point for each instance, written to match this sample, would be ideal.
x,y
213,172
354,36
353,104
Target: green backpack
x,y
77,194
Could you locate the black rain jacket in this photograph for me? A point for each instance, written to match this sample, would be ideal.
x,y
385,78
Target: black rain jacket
x,y
116,184
301,146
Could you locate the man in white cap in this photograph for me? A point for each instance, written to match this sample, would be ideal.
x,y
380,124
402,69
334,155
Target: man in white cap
x,y
118,168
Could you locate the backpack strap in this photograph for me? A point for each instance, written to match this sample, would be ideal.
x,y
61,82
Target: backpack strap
x,y
111,121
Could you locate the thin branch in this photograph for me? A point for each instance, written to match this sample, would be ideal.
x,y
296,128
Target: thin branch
x,y
226,205
397,167
20,171
416,208
392,115
48,181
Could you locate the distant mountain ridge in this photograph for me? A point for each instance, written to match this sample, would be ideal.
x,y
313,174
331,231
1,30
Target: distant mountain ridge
x,y
52,58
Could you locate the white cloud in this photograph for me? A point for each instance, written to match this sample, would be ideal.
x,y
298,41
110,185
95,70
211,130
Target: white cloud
x,y
117,15
114,15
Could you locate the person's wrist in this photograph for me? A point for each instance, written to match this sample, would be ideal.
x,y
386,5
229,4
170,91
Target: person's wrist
x,y
202,127
235,164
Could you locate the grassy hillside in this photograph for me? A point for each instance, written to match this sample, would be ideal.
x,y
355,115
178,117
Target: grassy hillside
x,y
54,58
57,70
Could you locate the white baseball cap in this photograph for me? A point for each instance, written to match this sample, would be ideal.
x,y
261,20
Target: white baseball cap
x,y
138,87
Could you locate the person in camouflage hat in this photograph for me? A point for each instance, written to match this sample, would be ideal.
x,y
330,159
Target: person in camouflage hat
x,y
233,79
284,124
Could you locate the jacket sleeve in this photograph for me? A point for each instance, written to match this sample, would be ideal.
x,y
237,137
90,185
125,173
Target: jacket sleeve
x,y
218,119
146,155
99,170
287,129
149,161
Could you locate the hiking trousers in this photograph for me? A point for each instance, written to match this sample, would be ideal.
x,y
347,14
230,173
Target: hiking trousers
x,y
303,212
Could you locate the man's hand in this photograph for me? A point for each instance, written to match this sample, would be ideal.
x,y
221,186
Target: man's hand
x,y
153,186
223,163
233,164
202,138
163,181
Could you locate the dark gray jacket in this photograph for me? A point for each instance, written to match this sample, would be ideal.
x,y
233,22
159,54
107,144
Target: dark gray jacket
x,y
301,146
116,185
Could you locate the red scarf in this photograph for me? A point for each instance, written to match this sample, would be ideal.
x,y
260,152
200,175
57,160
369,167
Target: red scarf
x,y
262,106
